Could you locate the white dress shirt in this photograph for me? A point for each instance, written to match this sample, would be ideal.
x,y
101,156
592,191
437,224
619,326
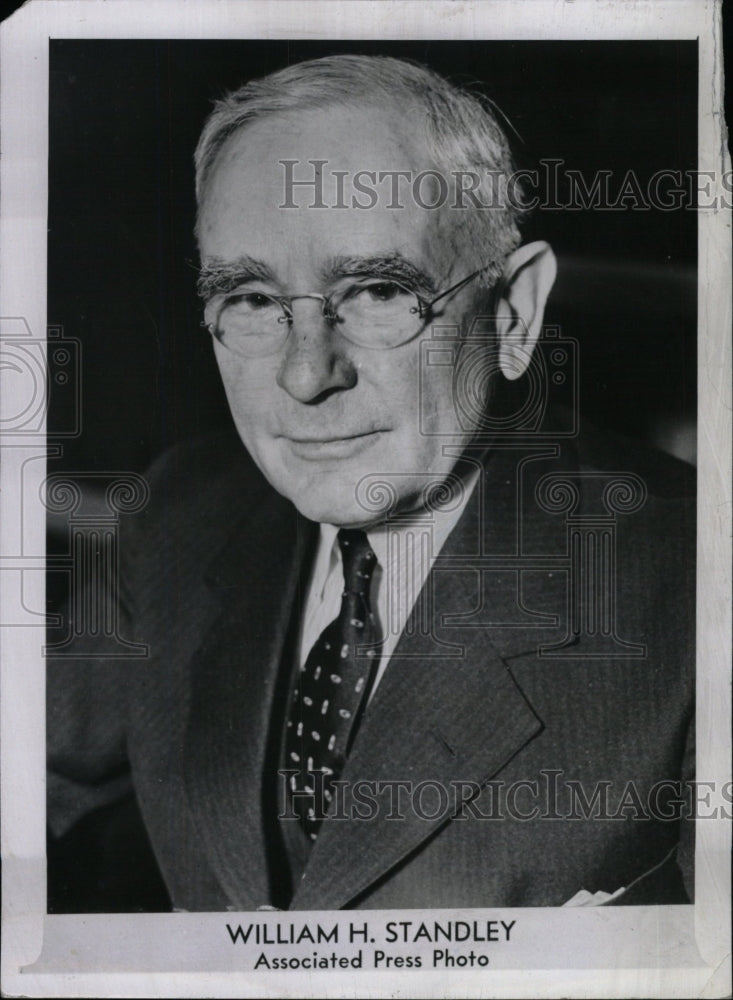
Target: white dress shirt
x,y
406,549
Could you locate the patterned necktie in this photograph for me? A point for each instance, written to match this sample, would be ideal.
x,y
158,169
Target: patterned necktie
x,y
332,688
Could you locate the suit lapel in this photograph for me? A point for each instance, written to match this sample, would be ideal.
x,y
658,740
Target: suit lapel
x,y
234,672
423,725
436,717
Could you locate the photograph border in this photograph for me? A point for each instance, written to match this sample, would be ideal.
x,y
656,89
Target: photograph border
x,y
637,951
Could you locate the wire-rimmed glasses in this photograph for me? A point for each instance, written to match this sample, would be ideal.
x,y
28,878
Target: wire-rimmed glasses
x,y
372,312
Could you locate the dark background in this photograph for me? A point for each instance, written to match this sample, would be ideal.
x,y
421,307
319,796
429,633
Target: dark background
x,y
124,120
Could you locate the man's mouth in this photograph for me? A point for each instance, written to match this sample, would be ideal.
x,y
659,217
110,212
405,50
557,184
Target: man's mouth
x,y
316,447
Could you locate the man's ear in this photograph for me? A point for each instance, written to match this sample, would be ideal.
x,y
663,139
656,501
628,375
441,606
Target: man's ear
x,y
528,277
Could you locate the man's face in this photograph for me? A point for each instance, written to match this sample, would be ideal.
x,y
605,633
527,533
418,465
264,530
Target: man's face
x,y
322,413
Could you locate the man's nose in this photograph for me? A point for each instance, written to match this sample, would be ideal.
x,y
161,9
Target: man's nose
x,y
314,364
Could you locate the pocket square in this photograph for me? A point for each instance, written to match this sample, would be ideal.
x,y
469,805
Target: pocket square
x,y
600,898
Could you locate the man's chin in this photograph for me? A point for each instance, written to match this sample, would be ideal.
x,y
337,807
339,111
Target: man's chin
x,y
349,493
344,513
329,492
370,501
327,499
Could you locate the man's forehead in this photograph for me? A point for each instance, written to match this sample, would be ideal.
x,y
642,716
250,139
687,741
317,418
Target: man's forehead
x,y
291,188
349,137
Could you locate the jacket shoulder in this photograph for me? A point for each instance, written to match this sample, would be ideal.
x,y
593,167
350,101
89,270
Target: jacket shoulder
x,y
198,488
202,492
214,465
665,477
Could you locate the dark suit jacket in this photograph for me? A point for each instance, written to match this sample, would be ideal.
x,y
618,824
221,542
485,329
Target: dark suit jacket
x,y
213,573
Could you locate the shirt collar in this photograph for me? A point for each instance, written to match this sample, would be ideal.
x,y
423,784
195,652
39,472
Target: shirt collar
x,y
326,558
443,522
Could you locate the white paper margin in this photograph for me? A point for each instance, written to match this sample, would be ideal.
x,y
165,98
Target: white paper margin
x,y
23,194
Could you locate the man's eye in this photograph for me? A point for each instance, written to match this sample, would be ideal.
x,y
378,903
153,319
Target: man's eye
x,y
384,291
250,300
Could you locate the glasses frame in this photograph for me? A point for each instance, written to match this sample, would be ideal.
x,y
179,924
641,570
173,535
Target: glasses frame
x,y
423,309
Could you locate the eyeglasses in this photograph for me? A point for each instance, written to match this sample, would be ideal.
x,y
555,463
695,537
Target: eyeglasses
x,y
376,313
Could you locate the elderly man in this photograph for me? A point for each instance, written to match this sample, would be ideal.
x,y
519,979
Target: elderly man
x,y
404,650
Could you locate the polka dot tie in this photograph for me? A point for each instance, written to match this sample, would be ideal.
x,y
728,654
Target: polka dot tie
x,y
332,688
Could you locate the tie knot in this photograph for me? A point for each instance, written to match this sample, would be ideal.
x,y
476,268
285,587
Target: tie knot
x,y
358,560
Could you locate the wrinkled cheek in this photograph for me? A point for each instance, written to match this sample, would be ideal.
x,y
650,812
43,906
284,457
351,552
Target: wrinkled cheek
x,y
437,407
432,413
249,391
249,410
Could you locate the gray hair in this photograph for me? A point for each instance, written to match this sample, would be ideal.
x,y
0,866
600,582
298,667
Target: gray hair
x,y
462,131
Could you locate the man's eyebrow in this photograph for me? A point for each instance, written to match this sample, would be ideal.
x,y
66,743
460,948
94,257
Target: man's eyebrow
x,y
390,264
219,275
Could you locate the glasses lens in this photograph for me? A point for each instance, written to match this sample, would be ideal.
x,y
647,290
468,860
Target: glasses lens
x,y
377,314
250,324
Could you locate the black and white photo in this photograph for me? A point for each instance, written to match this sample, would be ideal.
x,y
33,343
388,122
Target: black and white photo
x,y
372,478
